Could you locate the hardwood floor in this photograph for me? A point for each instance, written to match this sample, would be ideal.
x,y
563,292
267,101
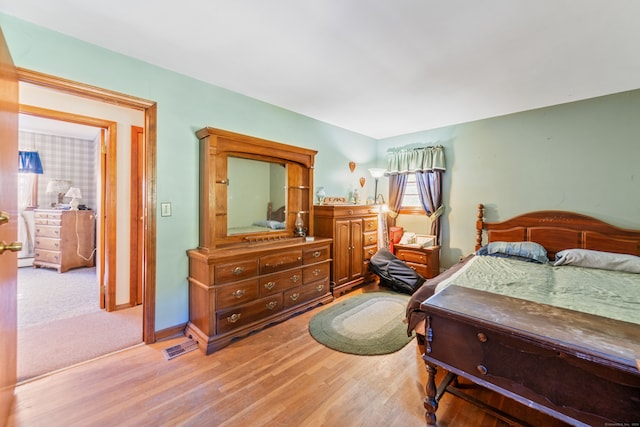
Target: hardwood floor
x,y
279,376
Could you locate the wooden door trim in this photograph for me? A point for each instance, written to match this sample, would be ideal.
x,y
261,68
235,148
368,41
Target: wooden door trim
x,y
136,220
108,206
149,196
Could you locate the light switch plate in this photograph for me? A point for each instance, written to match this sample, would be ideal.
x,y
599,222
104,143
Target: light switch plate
x,y
165,209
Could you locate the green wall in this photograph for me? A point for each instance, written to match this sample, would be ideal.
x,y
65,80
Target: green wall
x,y
582,156
184,106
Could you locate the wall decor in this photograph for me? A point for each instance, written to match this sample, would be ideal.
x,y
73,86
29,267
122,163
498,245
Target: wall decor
x,y
352,166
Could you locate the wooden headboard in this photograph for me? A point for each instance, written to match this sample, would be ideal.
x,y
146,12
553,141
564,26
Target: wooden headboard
x,y
277,215
558,230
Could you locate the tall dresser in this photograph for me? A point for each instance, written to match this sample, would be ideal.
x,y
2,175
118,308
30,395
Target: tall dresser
x,y
64,239
354,230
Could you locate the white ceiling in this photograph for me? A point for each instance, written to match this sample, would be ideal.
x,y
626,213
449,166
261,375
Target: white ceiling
x,y
378,67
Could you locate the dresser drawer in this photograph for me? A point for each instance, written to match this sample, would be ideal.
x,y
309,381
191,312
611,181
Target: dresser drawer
x,y
306,292
47,231
370,223
281,261
421,269
47,243
316,272
370,238
236,293
408,255
230,319
237,270
52,257
278,282
313,255
368,252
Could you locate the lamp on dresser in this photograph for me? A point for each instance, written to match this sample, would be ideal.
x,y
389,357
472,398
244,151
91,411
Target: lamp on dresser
x,y
58,187
75,194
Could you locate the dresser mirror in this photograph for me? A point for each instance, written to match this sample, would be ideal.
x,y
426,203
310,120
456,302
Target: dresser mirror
x,y
256,196
251,189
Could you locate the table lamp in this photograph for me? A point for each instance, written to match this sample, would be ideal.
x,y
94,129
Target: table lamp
x,y
74,193
58,186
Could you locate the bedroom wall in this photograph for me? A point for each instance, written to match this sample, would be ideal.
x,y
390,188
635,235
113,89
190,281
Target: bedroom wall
x,y
63,158
184,106
581,156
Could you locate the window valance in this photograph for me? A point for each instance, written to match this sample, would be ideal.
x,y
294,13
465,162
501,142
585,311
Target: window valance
x,y
415,160
29,162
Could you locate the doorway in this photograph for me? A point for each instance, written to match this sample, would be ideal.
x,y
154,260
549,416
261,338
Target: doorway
x,y
61,309
146,184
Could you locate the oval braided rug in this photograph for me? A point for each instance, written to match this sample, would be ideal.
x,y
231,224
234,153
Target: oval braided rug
x,y
366,324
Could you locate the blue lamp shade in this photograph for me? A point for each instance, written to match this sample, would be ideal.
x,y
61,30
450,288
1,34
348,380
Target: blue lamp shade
x,y
29,162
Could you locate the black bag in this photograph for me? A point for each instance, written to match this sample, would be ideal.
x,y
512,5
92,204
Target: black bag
x,y
394,273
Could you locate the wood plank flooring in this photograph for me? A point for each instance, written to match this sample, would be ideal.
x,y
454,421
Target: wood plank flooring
x,y
279,376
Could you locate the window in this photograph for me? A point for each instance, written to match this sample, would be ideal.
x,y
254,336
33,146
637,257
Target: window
x,y
411,200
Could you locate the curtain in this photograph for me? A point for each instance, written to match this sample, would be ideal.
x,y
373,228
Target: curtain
x,y
29,162
430,192
397,184
428,163
414,160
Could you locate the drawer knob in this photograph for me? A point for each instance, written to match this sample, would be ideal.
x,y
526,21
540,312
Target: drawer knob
x,y
482,337
238,271
316,254
270,285
271,305
317,272
482,369
319,288
239,293
294,296
233,318
295,278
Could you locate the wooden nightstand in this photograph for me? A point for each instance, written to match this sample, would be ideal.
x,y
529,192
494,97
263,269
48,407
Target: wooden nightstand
x,y
426,261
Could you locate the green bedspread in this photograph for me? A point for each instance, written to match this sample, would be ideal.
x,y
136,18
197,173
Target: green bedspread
x,y
611,294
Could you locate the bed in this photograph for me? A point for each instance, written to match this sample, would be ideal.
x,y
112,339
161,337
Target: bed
x,y
276,221
575,361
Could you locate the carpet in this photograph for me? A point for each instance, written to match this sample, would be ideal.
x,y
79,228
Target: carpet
x,y
365,324
45,348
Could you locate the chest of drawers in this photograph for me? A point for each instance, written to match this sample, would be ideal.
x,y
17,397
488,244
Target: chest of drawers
x,y
236,291
64,239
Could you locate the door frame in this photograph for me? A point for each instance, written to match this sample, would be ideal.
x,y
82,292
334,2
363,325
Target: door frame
x,y
107,212
147,184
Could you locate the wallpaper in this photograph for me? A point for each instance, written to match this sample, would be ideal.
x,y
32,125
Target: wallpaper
x,y
64,158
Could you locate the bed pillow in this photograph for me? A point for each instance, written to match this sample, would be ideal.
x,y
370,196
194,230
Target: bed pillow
x,y
524,251
598,259
274,225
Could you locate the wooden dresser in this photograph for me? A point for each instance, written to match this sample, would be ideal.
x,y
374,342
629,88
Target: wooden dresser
x,y
425,261
236,291
354,230
64,239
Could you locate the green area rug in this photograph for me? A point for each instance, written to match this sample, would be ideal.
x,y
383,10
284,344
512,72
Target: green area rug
x,y
364,324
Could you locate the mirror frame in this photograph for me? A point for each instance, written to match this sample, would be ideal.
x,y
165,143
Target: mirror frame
x,y
216,146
